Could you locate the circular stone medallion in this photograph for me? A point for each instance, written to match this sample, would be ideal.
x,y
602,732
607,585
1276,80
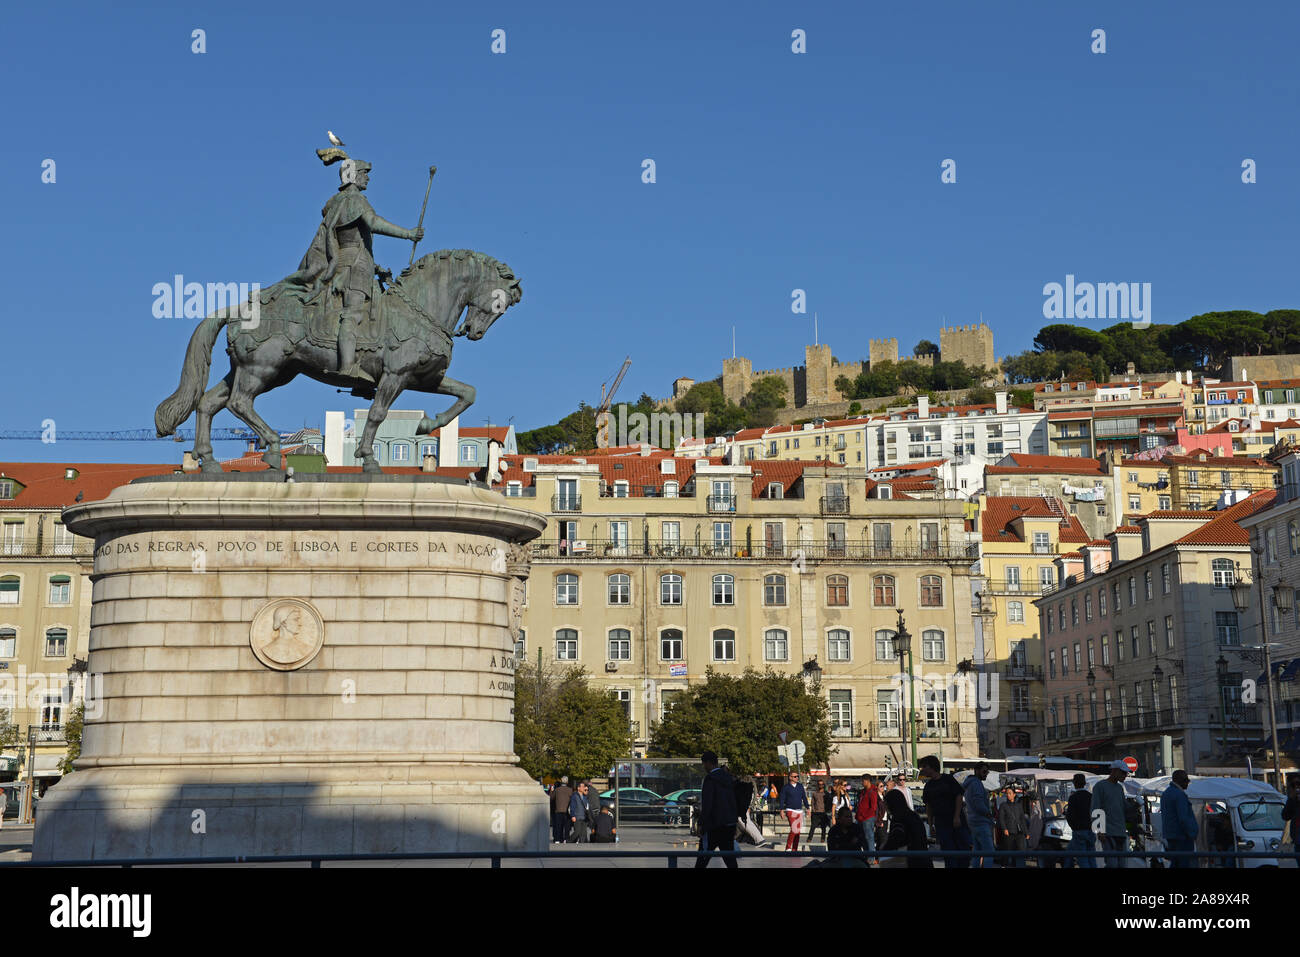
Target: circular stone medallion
x,y
286,634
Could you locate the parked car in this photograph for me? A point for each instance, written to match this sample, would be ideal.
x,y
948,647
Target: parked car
x,y
636,805
677,805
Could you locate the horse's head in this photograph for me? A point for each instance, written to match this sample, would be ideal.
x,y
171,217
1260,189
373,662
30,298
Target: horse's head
x,y
495,291
455,281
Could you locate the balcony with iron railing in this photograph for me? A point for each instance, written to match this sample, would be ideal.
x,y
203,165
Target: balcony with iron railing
x,y
1014,672
816,551
45,548
566,503
645,491
873,731
834,504
720,503
994,586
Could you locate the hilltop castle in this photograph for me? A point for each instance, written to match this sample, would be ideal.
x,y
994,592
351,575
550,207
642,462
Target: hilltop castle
x,y
811,386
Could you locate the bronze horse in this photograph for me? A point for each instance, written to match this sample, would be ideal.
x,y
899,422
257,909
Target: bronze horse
x,y
421,312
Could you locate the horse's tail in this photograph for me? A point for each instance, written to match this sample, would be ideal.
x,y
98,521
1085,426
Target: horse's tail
x,y
176,408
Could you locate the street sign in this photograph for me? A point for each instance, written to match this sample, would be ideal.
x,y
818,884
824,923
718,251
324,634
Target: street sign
x,y
784,736
677,671
1132,764
797,750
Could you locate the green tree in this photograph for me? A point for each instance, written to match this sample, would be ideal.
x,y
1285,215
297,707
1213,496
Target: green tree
x,y
720,415
8,730
925,348
564,726
72,734
740,716
763,399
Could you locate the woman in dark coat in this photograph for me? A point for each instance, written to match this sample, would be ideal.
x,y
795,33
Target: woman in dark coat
x,y
906,829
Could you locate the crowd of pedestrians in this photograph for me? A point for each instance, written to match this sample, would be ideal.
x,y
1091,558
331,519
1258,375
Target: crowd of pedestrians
x,y
578,816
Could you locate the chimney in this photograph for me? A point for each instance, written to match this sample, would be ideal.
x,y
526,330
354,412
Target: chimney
x,y
1000,400
922,406
429,462
1130,369
189,463
449,444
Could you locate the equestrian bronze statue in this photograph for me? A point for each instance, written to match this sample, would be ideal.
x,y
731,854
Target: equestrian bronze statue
x,y
341,321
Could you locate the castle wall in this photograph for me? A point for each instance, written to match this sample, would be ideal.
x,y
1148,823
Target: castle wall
x,y
971,344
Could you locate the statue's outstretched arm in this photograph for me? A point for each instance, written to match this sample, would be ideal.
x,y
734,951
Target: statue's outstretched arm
x,y
383,227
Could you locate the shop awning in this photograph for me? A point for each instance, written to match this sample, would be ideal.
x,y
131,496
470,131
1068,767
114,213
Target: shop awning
x,y
48,766
1086,745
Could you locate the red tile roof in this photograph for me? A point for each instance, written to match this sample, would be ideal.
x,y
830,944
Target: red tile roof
x,y
1000,512
1224,530
1128,530
45,485
1064,464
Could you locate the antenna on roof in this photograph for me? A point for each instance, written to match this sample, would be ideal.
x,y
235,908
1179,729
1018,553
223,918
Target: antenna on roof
x,y
733,342
816,341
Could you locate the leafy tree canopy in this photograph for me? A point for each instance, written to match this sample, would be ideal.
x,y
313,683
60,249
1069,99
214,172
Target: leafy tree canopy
x,y
740,716
564,726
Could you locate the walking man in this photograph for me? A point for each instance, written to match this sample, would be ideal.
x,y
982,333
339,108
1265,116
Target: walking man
x,y
718,812
1177,820
1078,814
1108,798
978,813
818,800
945,806
793,803
578,815
560,810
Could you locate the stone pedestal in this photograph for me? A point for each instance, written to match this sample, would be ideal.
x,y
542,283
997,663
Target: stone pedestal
x,y
299,667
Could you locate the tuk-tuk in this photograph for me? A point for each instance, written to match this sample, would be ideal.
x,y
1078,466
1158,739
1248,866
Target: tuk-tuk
x,y
1231,814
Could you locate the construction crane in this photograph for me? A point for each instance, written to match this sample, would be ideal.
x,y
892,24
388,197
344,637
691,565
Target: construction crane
x,y
607,398
130,435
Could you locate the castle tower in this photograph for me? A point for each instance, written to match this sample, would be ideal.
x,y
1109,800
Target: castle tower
x,y
882,350
737,377
972,345
817,373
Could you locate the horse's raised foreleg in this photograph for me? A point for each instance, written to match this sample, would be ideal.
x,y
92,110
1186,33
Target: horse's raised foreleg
x,y
213,401
464,393
389,387
247,386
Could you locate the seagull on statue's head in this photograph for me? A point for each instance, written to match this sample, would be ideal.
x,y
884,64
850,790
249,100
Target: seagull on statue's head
x,y
334,139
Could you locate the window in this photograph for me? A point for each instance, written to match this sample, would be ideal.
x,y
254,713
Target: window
x,y
888,713
1101,601
566,589
1074,612
1293,538
401,452
60,590
776,645
886,646
670,533
722,537
724,645
13,537
1092,657
841,711
837,644
668,698
670,490
1222,570
56,643
837,590
63,539
620,589
1134,641
1042,543
882,591
1087,607
1051,663
1078,660
932,645
1169,632
621,488
1146,577
882,537
620,645
931,591
618,538
1164,578
670,589
1132,591
1015,611
52,711
670,644
566,645
936,710
8,642
9,590
1225,627
1165,502
1134,503
1065,662
1119,646
1013,578
469,453
1114,594
1270,546
521,645
514,489
1105,649
724,590
774,590
427,449
1151,637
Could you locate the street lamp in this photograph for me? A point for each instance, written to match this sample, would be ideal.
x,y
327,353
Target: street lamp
x,y
1092,678
1221,669
1283,595
812,671
903,637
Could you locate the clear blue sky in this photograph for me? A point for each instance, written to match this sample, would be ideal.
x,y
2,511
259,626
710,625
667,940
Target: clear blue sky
x,y
775,171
